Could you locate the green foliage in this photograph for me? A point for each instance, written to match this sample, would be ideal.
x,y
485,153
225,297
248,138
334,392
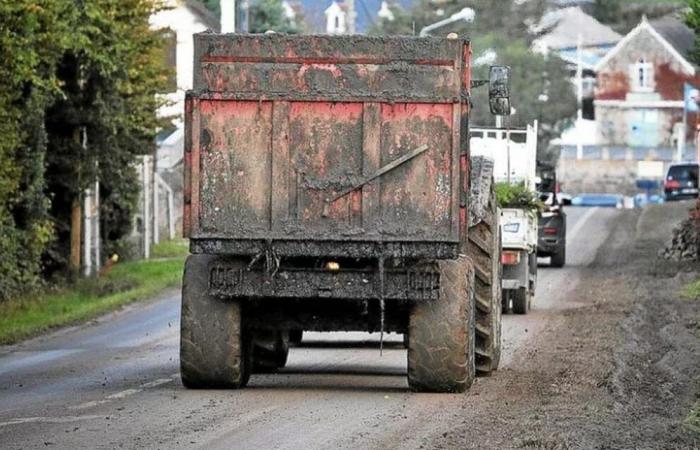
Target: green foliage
x,y
268,15
623,15
110,75
33,34
541,86
517,196
692,422
214,6
607,11
692,19
170,249
69,65
27,316
691,291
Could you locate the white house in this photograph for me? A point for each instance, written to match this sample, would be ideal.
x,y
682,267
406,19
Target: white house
x,y
179,21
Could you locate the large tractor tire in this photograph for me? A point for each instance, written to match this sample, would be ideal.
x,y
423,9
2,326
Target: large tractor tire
x,y
484,248
214,351
441,333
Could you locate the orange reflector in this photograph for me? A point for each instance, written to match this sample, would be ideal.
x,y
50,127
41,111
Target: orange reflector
x,y
510,258
332,266
550,230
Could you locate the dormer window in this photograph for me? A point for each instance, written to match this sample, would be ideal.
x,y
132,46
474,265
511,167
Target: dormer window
x,y
642,76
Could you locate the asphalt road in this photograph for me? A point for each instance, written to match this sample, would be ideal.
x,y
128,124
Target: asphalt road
x,y
114,383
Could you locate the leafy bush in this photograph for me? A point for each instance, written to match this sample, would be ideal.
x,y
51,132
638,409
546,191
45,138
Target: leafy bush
x,y
517,196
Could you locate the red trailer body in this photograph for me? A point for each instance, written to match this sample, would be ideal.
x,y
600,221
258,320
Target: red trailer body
x,y
327,181
278,127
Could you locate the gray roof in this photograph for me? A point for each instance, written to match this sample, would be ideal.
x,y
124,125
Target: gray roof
x,y
676,32
561,28
207,17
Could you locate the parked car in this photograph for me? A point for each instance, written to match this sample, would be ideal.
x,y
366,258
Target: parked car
x,y
551,241
681,181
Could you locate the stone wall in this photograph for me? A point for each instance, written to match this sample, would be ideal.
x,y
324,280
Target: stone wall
x,y
597,176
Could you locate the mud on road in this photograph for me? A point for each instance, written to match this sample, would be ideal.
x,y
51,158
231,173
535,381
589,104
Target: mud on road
x,y
617,366
608,359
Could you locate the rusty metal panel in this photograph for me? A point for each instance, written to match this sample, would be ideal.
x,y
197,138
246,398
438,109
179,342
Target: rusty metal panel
x,y
371,153
416,199
275,67
236,156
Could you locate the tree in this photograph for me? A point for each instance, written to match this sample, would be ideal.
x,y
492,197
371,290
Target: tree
x,y
692,19
541,86
71,69
106,116
33,34
268,15
607,11
508,18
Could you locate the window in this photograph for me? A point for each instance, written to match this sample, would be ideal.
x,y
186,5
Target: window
x,y
642,75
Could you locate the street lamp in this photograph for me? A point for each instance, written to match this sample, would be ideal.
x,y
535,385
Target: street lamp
x,y
466,14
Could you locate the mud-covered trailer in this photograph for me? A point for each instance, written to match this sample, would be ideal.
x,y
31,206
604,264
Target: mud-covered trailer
x,y
326,183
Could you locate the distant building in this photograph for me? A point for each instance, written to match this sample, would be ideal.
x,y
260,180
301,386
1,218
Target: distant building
x,y
178,22
639,98
576,37
639,107
333,16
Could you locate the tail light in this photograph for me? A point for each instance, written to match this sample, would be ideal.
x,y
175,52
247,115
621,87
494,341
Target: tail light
x,y
672,184
549,230
510,258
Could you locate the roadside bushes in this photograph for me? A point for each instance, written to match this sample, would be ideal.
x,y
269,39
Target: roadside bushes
x,y
70,69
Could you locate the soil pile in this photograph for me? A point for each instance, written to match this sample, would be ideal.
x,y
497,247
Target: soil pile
x,y
684,243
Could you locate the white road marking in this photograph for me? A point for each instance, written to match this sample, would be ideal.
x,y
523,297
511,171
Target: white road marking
x,y
582,221
61,419
122,394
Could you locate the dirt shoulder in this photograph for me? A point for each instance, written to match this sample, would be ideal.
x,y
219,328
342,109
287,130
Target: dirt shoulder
x,y
617,366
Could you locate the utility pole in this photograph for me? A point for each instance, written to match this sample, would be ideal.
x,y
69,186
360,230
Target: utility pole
x,y
76,214
96,228
87,232
579,89
146,183
156,205
245,16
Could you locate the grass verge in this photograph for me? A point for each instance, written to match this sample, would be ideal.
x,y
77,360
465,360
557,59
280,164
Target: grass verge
x,y
691,291
125,283
692,422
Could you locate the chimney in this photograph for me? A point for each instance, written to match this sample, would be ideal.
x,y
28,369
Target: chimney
x,y
228,16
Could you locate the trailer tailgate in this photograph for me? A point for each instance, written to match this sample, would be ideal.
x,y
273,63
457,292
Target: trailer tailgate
x,y
278,128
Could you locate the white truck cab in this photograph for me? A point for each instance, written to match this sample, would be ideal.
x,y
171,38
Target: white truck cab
x,y
514,152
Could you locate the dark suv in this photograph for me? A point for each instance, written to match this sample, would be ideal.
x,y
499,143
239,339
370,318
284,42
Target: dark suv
x,y
551,240
681,181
